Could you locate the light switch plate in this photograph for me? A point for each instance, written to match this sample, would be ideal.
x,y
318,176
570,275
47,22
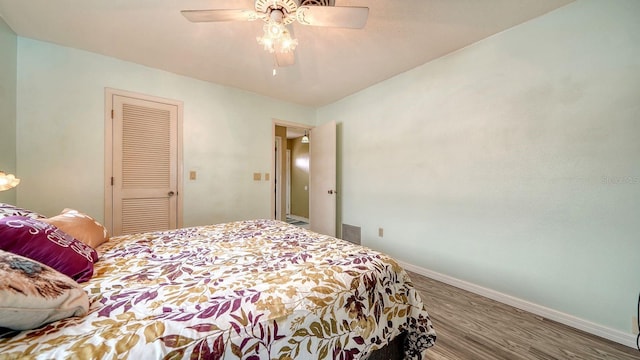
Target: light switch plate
x,y
257,176
266,176
192,175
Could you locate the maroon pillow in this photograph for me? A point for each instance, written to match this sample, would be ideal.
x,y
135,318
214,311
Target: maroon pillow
x,y
47,244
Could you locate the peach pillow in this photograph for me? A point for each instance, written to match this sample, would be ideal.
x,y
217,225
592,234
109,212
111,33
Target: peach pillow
x,y
81,226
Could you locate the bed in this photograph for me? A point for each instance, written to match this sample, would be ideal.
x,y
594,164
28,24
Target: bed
x,y
259,289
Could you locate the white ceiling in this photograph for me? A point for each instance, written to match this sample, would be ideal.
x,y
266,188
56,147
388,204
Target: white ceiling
x,y
330,63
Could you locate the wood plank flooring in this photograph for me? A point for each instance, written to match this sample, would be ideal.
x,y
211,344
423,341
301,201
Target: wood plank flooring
x,y
470,326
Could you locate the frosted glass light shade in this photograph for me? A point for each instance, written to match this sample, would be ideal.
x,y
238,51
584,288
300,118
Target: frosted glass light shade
x,y
8,181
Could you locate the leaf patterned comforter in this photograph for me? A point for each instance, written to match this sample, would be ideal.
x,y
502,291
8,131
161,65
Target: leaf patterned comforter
x,y
259,289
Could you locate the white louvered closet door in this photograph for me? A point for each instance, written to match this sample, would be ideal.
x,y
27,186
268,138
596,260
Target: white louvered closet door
x,y
144,165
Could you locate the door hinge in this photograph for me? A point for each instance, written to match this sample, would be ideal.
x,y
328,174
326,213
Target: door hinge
x,y
112,181
111,114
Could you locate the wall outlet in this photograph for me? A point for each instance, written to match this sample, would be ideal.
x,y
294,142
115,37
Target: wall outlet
x,y
634,322
380,232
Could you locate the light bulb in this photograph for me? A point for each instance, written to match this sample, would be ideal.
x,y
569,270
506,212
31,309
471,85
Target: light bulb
x,y
287,44
274,29
267,43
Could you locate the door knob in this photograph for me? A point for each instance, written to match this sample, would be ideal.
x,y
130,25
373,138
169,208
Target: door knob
x,y
171,193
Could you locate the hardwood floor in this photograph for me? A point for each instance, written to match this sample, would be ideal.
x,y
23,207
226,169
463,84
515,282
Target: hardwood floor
x,y
470,326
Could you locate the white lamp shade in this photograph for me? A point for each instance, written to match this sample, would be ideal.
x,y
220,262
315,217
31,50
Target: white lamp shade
x,y
8,181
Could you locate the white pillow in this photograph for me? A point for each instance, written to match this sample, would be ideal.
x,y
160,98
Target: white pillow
x,y
33,294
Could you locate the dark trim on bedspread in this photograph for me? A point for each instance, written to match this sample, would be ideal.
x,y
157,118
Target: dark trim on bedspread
x,y
394,350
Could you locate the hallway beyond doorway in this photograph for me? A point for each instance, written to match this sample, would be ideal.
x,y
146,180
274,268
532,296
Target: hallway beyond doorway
x,y
298,221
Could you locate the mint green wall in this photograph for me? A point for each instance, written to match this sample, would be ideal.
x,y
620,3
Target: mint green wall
x,y
8,59
60,134
513,164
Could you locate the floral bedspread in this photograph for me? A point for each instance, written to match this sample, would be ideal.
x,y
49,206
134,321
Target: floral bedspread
x,y
259,289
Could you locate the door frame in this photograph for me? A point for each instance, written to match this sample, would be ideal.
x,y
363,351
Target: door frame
x,y
283,123
287,177
278,174
108,151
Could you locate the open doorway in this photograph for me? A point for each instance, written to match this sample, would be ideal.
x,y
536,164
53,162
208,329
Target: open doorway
x,y
297,179
291,169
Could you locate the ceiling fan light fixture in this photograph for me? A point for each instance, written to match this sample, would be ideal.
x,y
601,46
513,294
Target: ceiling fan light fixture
x,y
277,14
276,38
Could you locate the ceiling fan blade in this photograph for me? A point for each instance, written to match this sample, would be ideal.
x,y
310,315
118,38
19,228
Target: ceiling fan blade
x,y
285,59
351,17
219,15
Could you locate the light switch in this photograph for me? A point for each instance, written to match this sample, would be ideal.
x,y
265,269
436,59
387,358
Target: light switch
x,y
266,176
192,175
257,176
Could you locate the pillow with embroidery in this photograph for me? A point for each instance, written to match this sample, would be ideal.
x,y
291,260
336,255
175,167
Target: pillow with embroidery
x,y
81,226
45,243
33,294
11,210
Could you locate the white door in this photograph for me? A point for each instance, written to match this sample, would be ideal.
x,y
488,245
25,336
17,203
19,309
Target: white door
x,y
322,184
145,165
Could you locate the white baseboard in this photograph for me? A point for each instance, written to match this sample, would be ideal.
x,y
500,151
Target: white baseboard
x,y
570,320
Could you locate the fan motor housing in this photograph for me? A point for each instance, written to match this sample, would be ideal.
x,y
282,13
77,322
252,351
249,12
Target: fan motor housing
x,y
288,7
264,6
318,3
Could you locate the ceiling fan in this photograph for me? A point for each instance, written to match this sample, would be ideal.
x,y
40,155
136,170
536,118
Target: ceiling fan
x,y
277,14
